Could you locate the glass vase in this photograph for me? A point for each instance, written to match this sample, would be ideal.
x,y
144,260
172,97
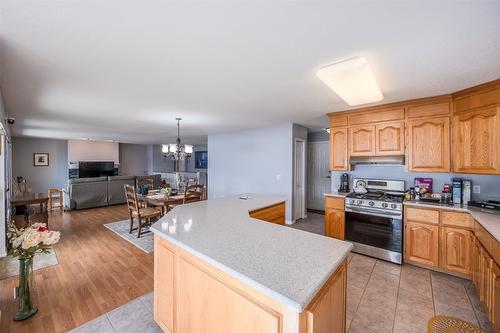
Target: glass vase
x,y
26,308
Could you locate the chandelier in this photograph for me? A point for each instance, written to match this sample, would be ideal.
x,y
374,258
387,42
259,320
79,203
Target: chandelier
x,y
177,151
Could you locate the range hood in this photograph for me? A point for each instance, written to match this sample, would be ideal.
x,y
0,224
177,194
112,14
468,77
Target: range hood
x,y
386,160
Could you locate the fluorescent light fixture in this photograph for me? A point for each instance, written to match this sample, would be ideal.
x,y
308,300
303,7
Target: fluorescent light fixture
x,y
352,80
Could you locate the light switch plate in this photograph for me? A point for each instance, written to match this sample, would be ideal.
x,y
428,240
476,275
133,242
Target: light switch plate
x,y
278,177
476,189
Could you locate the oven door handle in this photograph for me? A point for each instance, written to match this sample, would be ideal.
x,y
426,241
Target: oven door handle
x,y
373,212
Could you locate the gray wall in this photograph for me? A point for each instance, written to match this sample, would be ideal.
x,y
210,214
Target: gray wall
x,y
160,163
136,160
250,161
318,136
490,185
40,179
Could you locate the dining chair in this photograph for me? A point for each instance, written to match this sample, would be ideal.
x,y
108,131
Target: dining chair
x,y
145,181
193,193
142,214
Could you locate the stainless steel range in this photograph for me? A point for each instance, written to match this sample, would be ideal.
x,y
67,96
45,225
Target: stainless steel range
x,y
374,220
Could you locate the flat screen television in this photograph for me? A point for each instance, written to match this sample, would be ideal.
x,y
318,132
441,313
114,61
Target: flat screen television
x,y
95,169
200,159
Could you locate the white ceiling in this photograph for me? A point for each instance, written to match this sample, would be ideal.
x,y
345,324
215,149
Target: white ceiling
x,y
124,70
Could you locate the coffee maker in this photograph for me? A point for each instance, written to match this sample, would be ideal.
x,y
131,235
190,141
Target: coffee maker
x,y
344,183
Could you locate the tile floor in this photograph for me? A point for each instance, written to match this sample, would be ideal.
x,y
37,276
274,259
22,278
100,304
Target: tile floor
x,y
381,297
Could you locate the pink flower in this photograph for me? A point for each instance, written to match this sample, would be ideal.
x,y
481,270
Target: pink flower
x,y
50,237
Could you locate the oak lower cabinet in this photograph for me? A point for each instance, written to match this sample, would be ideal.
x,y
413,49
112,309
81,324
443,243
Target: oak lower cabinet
x,y
191,295
334,217
476,141
273,214
429,145
339,160
456,248
422,243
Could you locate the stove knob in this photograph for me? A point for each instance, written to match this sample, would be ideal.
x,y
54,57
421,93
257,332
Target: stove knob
x,y
394,206
384,205
371,203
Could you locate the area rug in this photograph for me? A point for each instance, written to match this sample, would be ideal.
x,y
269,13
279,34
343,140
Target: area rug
x,y
9,266
121,228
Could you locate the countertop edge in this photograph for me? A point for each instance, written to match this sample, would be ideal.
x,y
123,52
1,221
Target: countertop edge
x,y
299,307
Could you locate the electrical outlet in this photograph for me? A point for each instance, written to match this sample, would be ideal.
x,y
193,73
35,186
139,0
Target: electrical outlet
x,y
278,177
476,189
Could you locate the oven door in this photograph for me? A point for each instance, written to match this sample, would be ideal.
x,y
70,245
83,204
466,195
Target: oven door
x,y
378,235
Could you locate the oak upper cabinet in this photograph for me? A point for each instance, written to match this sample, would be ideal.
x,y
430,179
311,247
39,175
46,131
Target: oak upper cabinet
x,y
362,141
429,145
334,217
338,149
389,138
422,243
456,249
476,141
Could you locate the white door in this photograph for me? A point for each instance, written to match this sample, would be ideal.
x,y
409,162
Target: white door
x,y
299,178
318,175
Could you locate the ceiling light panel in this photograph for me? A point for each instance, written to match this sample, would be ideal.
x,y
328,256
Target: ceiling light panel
x,y
352,80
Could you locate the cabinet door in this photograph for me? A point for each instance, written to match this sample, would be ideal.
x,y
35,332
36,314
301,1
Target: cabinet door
x,y
456,247
164,281
334,223
338,149
494,310
429,145
362,141
389,138
421,243
476,141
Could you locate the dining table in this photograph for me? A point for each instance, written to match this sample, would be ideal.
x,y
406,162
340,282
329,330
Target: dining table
x,y
161,200
27,199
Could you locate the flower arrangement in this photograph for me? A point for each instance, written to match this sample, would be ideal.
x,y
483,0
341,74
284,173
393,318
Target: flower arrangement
x,y
36,238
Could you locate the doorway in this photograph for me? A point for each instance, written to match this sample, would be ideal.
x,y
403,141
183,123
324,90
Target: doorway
x,y
318,175
299,193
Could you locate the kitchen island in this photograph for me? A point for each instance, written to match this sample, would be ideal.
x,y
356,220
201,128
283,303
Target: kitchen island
x,y
217,269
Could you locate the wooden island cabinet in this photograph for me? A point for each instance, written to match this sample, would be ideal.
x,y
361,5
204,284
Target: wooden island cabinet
x,y
463,127
214,272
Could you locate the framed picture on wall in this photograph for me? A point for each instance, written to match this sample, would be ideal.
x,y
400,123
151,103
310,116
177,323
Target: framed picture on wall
x,y
40,159
200,159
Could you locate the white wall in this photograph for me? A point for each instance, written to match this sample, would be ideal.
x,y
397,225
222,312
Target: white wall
x,y
252,161
4,201
98,151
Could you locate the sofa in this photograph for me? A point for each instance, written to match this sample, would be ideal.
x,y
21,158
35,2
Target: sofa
x,y
84,193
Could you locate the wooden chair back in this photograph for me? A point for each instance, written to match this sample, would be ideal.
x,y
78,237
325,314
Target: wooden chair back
x,y
193,193
145,181
131,196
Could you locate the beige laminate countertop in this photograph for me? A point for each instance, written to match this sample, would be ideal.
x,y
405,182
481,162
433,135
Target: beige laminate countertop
x,y
490,220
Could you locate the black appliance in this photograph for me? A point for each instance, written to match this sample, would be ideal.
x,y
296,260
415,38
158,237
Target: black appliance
x,y
486,204
374,220
344,183
95,169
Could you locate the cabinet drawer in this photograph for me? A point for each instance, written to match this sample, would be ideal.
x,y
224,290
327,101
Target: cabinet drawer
x,y
422,215
463,220
483,237
334,203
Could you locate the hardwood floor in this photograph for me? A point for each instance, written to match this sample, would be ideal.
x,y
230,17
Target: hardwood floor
x,y
97,272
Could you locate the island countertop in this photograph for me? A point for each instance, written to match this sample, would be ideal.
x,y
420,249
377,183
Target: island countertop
x,y
286,264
